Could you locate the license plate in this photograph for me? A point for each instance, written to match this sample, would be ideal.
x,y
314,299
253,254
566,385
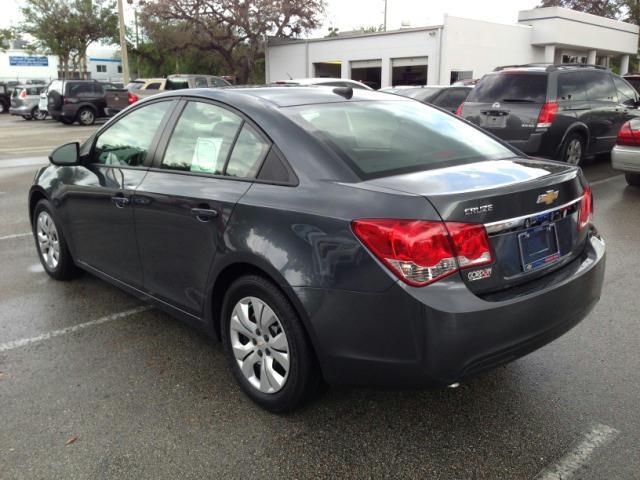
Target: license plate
x,y
493,121
538,247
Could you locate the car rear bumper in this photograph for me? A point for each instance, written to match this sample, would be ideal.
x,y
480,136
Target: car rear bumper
x,y
626,159
439,334
530,146
21,110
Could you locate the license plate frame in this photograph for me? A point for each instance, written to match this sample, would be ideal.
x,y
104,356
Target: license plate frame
x,y
538,247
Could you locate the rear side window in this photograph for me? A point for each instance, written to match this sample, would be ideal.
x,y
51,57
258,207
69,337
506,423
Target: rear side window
x,y
247,154
153,86
202,139
514,87
176,84
452,98
635,82
422,94
127,141
201,82
80,89
571,87
218,82
599,87
55,86
388,137
626,93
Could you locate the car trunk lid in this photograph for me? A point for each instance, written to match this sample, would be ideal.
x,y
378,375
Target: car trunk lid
x,y
529,208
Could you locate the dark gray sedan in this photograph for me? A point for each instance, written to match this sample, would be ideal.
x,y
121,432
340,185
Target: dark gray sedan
x,y
325,233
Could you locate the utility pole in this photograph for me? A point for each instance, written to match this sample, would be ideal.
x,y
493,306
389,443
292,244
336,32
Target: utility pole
x,y
385,15
123,45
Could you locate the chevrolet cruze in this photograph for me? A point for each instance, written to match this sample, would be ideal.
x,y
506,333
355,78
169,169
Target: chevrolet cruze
x,y
325,234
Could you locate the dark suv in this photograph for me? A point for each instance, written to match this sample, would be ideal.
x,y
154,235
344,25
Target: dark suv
x,y
77,100
557,111
5,97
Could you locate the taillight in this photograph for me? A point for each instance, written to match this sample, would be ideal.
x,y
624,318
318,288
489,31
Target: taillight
x,y
23,94
459,109
132,98
421,252
547,114
628,136
586,208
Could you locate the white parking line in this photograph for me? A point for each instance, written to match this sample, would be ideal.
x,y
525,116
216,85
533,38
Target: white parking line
x,y
579,455
605,180
81,326
16,235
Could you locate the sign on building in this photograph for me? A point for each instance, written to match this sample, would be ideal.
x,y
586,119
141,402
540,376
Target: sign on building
x,y
28,61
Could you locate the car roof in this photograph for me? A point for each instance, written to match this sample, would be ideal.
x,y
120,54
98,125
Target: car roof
x,y
280,96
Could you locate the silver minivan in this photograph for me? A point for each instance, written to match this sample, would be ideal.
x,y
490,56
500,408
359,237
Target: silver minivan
x,y
25,100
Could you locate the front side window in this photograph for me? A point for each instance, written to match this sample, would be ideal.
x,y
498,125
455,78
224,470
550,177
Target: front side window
x,y
510,87
247,155
127,141
387,137
202,139
599,87
626,93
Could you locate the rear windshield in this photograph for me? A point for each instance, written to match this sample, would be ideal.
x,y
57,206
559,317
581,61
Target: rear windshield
x,y
510,87
388,137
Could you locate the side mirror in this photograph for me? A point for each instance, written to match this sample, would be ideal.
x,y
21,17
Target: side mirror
x,y
66,155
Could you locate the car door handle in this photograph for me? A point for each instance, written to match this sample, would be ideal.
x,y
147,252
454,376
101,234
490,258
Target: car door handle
x,y
120,201
204,214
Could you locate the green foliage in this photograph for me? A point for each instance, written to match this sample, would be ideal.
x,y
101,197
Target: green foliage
x,y
602,8
6,36
371,29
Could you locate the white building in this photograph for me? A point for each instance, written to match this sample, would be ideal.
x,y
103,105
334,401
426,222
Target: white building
x,y
457,49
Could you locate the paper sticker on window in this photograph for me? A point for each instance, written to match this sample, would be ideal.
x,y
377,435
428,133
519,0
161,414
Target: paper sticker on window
x,y
205,155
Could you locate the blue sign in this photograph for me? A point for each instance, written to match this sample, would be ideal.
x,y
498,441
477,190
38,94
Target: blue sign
x,y
28,61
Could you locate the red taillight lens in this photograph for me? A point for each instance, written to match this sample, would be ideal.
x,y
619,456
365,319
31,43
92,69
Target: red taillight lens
x,y
133,98
586,208
547,114
23,94
628,135
459,109
422,252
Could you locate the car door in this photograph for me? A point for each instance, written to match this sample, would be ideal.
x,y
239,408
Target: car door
x,y
604,120
184,203
97,201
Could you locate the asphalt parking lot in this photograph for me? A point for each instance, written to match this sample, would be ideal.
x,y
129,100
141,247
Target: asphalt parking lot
x,y
94,385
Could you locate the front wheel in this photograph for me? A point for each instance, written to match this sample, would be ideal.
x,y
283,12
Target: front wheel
x,y
266,345
572,149
52,246
632,179
27,117
39,114
86,116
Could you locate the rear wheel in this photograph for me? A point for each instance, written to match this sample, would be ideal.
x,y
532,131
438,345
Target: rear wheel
x,y
52,247
3,108
27,117
86,116
572,149
66,121
633,179
266,346
38,114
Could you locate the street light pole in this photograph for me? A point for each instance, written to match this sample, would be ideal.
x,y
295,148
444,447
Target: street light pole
x,y
385,15
123,44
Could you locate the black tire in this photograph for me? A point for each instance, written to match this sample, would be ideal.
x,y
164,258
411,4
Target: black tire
x,y
303,375
568,151
65,120
3,108
38,114
65,269
633,179
27,117
86,116
54,100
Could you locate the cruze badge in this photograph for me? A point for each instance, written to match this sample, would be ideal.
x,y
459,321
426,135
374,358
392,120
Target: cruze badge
x,y
479,274
479,209
548,197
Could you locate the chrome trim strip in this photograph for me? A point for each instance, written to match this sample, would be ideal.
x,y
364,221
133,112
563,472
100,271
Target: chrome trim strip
x,y
495,227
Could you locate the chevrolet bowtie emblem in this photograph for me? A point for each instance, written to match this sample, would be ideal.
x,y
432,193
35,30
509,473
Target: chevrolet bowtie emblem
x,y
548,197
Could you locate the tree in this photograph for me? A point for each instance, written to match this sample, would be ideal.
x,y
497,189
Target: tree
x,y
236,29
602,8
6,36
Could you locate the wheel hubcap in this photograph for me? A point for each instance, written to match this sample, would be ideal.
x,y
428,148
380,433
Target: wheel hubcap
x,y
574,152
263,359
48,241
86,116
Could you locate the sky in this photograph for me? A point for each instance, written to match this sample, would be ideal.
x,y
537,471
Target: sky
x,y
352,14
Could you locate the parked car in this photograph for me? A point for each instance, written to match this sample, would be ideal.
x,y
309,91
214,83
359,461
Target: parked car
x,y
326,82
397,88
77,100
25,100
626,154
180,81
119,99
346,234
446,97
557,111
5,97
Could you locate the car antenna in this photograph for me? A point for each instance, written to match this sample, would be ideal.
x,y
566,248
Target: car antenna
x,y
289,75
346,92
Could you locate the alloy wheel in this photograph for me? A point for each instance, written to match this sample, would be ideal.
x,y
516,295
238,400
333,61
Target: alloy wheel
x,y
86,117
574,152
259,345
48,241
39,114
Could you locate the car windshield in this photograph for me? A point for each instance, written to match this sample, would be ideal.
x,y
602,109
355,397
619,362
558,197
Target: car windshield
x,y
418,93
381,138
510,87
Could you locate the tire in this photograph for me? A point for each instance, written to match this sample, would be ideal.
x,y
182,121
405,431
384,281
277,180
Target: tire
x,y
3,108
51,245
38,114
54,100
261,352
632,179
66,121
86,116
27,117
573,149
